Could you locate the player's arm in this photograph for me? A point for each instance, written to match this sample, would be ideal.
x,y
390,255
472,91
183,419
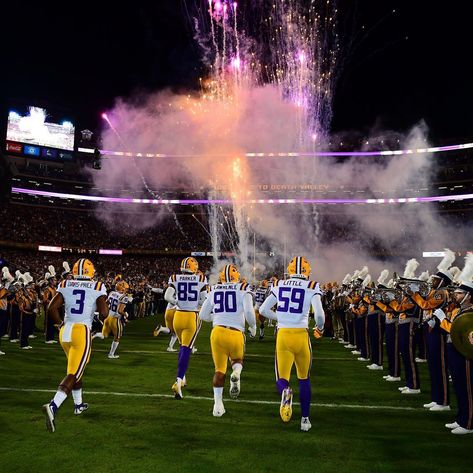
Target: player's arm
x,y
266,308
170,295
54,307
203,295
249,312
319,315
205,313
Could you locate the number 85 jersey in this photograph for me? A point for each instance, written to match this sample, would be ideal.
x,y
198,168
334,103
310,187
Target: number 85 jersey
x,y
293,297
188,289
80,300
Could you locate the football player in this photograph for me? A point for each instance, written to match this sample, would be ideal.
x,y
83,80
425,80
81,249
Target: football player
x,y
227,306
168,327
294,297
117,315
81,296
260,296
186,291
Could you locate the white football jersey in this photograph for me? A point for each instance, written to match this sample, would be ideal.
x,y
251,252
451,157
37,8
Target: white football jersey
x,y
294,298
188,288
227,305
80,299
114,300
260,296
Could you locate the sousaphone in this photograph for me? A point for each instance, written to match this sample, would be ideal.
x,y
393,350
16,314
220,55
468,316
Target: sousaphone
x,y
462,334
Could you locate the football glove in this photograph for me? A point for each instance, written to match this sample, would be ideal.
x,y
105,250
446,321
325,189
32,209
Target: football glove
x,y
318,333
252,331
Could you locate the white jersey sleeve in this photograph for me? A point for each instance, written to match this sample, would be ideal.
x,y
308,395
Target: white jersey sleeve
x,y
80,300
188,289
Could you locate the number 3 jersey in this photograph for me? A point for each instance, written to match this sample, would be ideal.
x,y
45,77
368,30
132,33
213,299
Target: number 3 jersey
x,y
80,300
293,298
229,304
188,288
115,299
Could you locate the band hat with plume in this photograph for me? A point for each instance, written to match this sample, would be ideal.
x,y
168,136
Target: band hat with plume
x,y
28,278
382,278
410,269
424,276
366,281
466,276
363,273
67,268
346,279
444,265
7,276
390,283
52,271
355,275
455,270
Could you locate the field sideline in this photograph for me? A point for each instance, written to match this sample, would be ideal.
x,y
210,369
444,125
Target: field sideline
x,y
359,422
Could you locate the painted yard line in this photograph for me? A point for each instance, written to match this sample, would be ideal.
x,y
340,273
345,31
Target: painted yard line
x,y
153,352
203,398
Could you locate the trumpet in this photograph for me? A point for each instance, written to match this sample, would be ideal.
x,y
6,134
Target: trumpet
x,y
386,295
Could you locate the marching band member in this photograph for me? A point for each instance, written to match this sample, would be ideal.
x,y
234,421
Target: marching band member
x,y
186,291
14,309
227,306
48,295
460,367
6,281
408,323
27,305
360,310
81,297
293,298
434,336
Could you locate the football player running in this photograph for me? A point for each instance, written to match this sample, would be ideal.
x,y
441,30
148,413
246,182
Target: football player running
x,y
81,297
227,306
187,292
294,298
117,316
260,295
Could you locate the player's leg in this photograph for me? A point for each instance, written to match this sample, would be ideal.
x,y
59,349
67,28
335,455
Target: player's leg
x,y
303,361
77,351
218,344
164,328
283,365
117,330
237,351
169,320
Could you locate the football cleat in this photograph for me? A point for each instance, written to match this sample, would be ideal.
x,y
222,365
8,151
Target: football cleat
x,y
176,387
234,385
113,357
305,424
218,409
170,349
98,335
158,330
194,350
80,408
285,409
2,352
50,342
49,416
462,431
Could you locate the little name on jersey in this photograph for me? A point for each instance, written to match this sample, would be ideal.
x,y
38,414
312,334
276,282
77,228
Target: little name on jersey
x,y
88,284
187,278
227,286
292,282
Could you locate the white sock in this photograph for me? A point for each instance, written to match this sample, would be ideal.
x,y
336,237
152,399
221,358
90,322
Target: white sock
x,y
218,394
77,396
237,367
98,335
59,397
173,340
164,329
113,348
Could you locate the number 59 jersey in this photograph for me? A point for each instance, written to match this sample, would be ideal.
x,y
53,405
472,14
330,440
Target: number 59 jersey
x,y
80,300
294,298
188,288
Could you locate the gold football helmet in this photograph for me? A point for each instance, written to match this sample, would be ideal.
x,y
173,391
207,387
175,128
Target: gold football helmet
x,y
189,265
299,267
229,274
122,286
83,269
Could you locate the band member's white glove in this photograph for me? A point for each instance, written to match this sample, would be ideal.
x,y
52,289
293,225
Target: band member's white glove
x,y
252,331
431,323
440,314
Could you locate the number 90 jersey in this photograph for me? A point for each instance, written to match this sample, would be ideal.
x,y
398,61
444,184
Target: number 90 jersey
x,y
188,288
228,308
80,300
115,299
294,298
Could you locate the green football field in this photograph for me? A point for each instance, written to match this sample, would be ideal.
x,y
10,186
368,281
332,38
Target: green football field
x,y
360,423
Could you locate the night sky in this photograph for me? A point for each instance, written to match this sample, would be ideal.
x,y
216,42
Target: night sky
x,y
80,56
